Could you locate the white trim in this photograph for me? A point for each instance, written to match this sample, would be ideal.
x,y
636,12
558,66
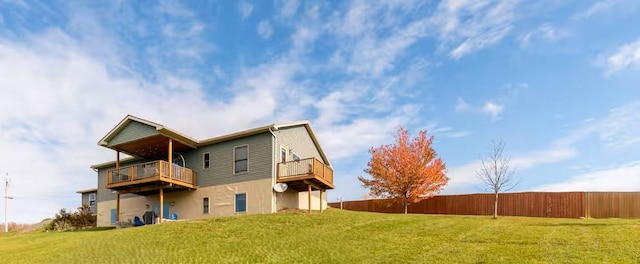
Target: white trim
x,y
286,153
233,158
203,163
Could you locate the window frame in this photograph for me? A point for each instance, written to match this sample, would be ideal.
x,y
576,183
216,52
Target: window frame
x,y
235,203
294,156
92,200
206,166
206,208
235,172
286,151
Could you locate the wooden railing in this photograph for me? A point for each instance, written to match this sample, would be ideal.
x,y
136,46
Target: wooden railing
x,y
305,167
147,171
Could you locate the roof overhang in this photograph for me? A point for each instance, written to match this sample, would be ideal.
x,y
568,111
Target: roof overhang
x,y
154,145
88,190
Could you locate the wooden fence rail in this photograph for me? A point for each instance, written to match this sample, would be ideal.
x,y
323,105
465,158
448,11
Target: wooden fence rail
x,y
534,204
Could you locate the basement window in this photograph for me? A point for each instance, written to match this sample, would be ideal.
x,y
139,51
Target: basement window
x,y
241,203
205,205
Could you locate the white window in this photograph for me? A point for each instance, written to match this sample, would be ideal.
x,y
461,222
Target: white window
x,y
206,160
92,199
295,157
240,159
283,154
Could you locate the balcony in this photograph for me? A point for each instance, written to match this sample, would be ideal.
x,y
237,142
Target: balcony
x,y
148,177
300,174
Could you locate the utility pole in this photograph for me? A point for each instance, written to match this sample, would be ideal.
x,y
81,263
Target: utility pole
x,y
6,198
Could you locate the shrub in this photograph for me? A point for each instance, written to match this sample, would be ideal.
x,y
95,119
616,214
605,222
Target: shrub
x,y
65,221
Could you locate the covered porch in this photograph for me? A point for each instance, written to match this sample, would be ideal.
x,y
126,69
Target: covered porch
x,y
163,167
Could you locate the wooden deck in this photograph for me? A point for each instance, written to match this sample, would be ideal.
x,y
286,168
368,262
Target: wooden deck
x,y
300,174
150,176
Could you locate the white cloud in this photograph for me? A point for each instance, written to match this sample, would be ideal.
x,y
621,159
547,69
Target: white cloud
x,y
622,178
362,47
463,178
264,29
174,8
545,31
596,8
493,109
461,105
555,154
245,9
288,7
622,127
466,26
618,130
624,57
51,73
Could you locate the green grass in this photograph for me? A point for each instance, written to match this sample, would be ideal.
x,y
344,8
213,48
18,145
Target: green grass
x,y
340,237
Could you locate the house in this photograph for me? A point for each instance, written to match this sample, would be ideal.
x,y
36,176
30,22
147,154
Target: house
x,y
89,199
168,174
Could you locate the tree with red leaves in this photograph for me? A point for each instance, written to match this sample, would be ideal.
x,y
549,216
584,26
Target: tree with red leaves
x,y
407,171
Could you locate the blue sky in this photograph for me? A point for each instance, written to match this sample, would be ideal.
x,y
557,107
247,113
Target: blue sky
x,y
558,81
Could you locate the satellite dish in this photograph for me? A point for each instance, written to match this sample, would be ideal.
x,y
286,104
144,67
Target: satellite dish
x,y
280,187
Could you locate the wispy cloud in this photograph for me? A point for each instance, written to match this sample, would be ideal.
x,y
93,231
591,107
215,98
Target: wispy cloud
x,y
245,9
287,7
624,57
545,31
467,26
461,105
264,29
596,8
625,177
493,109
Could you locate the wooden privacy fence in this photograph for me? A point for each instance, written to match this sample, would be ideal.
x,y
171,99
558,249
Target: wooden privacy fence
x,y
534,204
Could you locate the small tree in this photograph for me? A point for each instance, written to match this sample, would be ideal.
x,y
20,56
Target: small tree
x,y
407,171
496,173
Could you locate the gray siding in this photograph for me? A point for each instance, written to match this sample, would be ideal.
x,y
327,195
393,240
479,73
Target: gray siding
x,y
298,140
134,130
221,158
221,169
85,201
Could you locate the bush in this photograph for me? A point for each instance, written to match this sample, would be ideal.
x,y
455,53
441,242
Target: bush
x,y
65,221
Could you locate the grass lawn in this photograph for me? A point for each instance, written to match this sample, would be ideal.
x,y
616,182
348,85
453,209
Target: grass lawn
x,y
337,236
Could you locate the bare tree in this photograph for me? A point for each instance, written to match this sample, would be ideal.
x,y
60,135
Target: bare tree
x,y
496,173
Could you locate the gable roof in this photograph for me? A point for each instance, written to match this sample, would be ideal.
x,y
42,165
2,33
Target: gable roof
x,y
158,127
195,143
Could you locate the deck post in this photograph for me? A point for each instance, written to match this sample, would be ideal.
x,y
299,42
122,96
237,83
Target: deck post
x,y
117,207
170,159
309,198
320,200
161,204
118,194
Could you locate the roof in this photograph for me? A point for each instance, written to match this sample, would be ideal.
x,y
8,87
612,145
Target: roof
x,y
87,190
195,143
160,128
